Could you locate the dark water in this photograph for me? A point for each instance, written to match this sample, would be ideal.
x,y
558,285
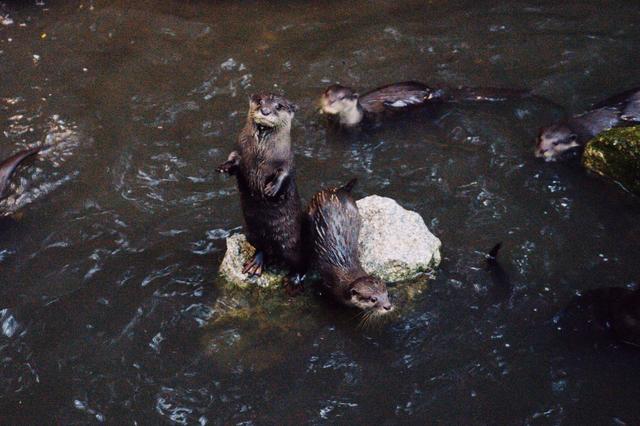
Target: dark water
x,y
110,307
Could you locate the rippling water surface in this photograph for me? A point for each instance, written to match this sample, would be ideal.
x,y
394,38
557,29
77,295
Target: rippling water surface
x,y
110,307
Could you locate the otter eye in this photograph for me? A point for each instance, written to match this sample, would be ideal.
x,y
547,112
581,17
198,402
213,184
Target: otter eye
x,y
354,291
340,97
279,107
373,299
556,143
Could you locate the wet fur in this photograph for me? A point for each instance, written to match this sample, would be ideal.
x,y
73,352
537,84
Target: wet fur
x,y
334,227
273,221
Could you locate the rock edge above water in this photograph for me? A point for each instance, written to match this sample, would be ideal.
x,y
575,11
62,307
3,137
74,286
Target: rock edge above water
x,y
395,245
616,154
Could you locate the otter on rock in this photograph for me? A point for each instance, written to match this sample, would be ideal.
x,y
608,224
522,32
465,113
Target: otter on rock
x,y
351,109
334,226
572,134
263,165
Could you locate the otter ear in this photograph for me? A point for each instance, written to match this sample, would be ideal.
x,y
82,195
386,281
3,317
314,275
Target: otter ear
x,y
293,107
349,293
355,96
573,138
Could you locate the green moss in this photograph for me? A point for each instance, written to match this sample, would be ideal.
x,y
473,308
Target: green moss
x,y
616,155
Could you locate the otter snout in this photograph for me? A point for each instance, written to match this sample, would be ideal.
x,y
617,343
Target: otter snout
x,y
326,105
266,111
383,305
385,308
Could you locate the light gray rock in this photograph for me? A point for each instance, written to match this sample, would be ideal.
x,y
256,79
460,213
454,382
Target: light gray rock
x,y
395,245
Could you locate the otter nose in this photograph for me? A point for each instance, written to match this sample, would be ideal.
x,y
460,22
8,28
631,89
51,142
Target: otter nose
x,y
265,110
387,307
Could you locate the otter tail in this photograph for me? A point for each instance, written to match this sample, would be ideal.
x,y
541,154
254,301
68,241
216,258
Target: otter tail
x,y
494,94
502,283
8,166
493,253
347,187
486,94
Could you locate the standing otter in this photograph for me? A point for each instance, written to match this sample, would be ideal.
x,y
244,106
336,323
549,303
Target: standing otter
x,y
8,166
334,227
263,166
572,134
351,109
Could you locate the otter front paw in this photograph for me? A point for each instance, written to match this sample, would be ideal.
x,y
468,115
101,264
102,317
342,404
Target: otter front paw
x,y
271,189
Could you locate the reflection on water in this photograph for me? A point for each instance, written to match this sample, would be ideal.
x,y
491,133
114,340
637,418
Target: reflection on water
x,y
110,307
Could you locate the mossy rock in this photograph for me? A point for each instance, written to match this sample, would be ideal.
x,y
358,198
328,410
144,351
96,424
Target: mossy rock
x,y
615,154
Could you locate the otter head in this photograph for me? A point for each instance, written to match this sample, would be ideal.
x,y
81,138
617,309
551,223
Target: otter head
x,y
341,101
555,140
337,99
271,111
369,294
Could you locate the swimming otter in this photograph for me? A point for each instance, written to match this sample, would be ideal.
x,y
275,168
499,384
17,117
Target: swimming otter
x,y
8,166
263,166
606,311
334,226
572,134
351,109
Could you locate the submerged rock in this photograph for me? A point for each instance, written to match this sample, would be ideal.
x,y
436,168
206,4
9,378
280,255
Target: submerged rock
x,y
616,155
394,245
258,330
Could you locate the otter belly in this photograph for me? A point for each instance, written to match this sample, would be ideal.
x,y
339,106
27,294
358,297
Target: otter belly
x,y
274,227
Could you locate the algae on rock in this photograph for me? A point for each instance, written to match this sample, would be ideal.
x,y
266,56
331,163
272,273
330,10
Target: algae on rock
x,y
616,154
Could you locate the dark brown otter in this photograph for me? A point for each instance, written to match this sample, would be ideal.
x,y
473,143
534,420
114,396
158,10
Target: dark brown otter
x,y
334,226
572,134
606,311
263,165
8,166
351,109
